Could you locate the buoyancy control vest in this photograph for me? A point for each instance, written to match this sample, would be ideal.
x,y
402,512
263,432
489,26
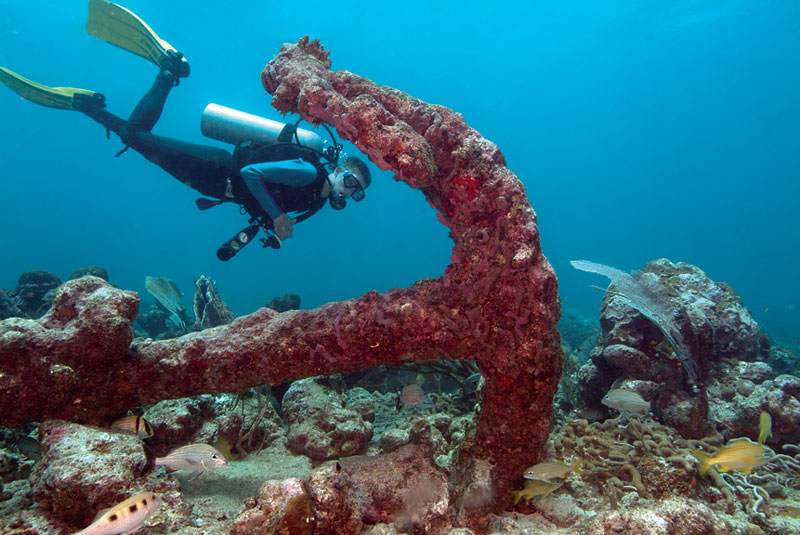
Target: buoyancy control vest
x,y
257,140
303,202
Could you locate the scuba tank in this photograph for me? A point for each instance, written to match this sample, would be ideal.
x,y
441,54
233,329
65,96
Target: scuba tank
x,y
235,127
253,136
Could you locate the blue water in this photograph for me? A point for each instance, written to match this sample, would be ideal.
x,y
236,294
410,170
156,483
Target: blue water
x,y
640,129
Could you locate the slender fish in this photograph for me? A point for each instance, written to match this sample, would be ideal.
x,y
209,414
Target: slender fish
x,y
536,488
764,427
198,458
549,470
625,400
125,517
741,454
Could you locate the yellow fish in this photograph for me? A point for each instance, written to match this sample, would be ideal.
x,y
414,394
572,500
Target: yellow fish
x,y
125,517
549,470
741,454
764,427
536,488
135,425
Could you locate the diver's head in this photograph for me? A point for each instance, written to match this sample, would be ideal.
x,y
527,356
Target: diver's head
x,y
348,180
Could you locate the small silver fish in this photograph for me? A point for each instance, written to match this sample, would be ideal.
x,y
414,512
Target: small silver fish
x,y
412,395
125,517
625,400
198,458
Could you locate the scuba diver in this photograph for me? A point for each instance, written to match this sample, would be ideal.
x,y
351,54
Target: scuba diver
x,y
279,174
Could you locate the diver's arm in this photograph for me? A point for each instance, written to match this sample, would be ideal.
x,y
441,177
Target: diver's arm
x,y
259,176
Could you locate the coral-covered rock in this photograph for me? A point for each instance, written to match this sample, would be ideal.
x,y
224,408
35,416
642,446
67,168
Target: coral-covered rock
x,y
713,323
282,304
13,466
667,517
83,469
403,487
208,419
383,529
95,271
393,438
9,305
209,308
87,469
563,511
35,292
321,426
336,500
743,392
362,402
153,320
781,359
56,365
280,507
176,421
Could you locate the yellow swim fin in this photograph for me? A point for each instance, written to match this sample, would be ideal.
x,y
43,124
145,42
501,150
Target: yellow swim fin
x,y
123,28
53,97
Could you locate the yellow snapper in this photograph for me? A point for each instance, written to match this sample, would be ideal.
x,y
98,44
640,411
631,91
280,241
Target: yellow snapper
x,y
625,400
537,488
549,470
741,454
764,427
125,517
198,458
135,425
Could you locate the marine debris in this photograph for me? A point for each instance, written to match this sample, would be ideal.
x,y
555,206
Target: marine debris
x,y
496,303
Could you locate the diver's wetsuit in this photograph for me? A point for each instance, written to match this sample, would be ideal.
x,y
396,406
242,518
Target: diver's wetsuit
x,y
209,169
202,167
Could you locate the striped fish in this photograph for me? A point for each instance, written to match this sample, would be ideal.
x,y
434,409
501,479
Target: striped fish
x,y
125,517
625,400
535,488
550,470
412,396
741,454
135,425
198,458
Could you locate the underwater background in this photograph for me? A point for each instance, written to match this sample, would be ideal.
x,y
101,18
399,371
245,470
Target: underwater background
x,y
641,129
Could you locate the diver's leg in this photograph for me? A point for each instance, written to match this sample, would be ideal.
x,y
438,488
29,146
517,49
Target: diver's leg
x,y
202,167
94,106
149,108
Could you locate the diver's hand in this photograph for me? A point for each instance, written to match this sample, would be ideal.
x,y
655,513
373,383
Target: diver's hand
x,y
282,225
